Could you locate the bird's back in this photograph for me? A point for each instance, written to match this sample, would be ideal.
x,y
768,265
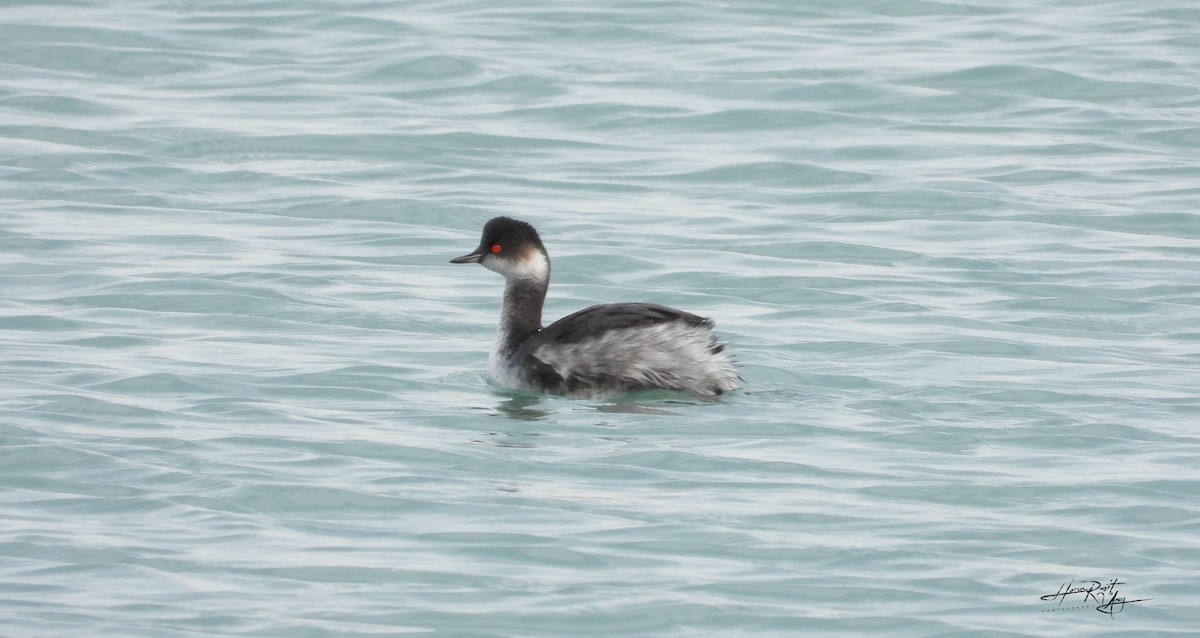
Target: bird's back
x,y
627,346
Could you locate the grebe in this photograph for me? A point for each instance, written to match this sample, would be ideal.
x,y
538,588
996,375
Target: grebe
x,y
598,351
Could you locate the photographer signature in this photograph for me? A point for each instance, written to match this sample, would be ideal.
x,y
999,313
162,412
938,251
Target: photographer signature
x,y
1106,596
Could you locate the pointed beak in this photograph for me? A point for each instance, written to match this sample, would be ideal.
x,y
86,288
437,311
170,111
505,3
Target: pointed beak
x,y
472,258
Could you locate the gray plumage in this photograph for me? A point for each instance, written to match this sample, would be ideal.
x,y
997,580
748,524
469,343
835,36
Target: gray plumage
x,y
597,351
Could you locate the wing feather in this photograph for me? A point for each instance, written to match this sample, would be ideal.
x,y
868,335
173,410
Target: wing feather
x,y
630,346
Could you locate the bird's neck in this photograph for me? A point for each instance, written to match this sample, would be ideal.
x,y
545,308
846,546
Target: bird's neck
x,y
521,314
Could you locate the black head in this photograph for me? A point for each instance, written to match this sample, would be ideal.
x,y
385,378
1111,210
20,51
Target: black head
x,y
510,247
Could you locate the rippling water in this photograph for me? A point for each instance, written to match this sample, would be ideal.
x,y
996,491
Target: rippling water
x,y
955,246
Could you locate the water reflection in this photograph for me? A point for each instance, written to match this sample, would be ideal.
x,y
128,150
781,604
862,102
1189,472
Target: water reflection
x,y
523,407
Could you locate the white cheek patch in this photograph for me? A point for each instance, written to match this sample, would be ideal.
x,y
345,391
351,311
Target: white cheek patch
x,y
532,265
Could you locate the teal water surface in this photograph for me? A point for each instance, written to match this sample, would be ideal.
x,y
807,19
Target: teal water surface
x,y
954,245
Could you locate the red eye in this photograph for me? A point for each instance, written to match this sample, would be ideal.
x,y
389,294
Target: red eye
x,y
495,248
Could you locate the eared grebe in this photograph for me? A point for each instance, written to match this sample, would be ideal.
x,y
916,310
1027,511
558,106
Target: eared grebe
x,y
602,350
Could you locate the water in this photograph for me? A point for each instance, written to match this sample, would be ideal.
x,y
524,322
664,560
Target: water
x,y
954,245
